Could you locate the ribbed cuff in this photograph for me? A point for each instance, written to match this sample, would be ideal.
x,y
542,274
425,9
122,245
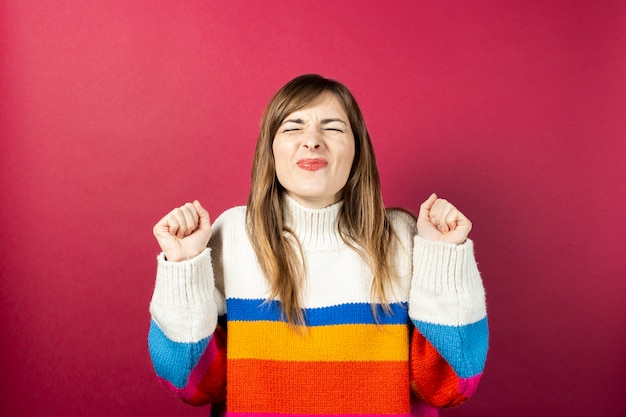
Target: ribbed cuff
x,y
443,267
186,283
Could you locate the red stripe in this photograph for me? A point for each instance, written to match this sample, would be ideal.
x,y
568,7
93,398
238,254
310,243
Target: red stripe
x,y
379,387
432,378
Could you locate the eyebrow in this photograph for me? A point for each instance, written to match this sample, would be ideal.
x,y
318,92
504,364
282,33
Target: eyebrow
x,y
324,121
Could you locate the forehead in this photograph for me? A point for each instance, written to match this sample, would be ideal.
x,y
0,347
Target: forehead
x,y
325,105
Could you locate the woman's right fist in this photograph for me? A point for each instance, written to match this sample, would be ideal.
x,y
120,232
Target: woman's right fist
x,y
184,232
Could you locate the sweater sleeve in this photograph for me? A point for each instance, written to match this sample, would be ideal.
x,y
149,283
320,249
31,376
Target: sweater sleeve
x,y
447,308
187,345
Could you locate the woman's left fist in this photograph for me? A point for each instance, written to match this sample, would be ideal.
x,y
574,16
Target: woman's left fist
x,y
439,220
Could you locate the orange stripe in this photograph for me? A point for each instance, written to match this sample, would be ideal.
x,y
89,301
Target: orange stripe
x,y
355,342
326,387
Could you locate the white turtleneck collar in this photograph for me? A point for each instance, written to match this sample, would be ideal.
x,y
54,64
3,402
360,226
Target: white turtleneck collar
x,y
316,229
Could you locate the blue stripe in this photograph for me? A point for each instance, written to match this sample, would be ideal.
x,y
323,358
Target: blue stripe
x,y
173,361
463,347
355,313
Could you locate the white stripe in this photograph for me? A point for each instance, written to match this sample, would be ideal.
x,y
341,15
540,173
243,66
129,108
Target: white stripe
x,y
447,288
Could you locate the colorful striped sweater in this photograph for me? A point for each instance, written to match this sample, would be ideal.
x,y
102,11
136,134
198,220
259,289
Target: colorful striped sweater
x,y
216,339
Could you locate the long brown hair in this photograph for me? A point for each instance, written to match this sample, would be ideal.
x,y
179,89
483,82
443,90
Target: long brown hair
x,y
363,223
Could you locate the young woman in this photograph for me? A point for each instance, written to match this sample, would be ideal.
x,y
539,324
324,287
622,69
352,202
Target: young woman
x,y
313,299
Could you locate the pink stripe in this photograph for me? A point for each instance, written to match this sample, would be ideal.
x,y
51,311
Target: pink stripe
x,y
203,364
420,409
312,415
467,386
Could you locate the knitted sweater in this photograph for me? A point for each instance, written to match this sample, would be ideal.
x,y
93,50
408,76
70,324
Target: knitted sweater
x,y
215,338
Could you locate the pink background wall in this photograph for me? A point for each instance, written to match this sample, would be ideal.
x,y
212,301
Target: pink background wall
x,y
114,112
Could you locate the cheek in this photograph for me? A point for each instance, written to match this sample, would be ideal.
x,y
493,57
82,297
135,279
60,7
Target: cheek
x,y
280,150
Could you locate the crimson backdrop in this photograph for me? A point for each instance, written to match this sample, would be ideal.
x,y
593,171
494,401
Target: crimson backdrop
x,y
113,112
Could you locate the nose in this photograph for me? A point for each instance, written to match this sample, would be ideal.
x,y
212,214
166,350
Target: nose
x,y
313,139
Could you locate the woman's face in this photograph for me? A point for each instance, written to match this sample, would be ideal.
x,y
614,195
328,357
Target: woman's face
x,y
314,150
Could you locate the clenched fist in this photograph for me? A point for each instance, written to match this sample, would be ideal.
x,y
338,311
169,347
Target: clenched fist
x,y
440,220
184,232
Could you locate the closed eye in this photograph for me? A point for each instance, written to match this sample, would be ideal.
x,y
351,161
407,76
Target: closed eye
x,y
334,125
